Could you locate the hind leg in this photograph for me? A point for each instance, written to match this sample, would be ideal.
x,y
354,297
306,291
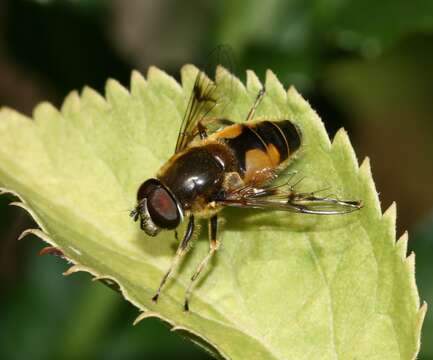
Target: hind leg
x,y
213,247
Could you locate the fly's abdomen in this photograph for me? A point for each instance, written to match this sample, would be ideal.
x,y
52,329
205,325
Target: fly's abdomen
x,y
282,138
261,146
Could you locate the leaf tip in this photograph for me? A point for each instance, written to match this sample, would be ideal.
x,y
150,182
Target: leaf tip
x,y
179,328
291,91
26,232
222,71
391,213
137,76
422,312
270,76
370,191
5,111
189,68
163,79
4,191
188,74
91,96
73,269
103,278
410,262
343,146
420,316
45,111
71,104
8,113
20,205
365,166
137,82
274,85
115,91
148,314
253,82
341,138
155,73
401,245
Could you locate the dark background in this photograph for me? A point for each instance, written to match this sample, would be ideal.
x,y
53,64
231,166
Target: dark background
x,y
365,65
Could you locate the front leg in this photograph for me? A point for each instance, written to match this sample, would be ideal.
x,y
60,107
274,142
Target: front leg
x,y
181,251
213,247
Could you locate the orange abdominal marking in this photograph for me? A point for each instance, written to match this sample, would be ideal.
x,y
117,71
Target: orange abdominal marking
x,y
230,132
273,154
256,161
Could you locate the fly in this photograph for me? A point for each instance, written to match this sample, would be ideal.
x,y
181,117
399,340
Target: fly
x,y
218,163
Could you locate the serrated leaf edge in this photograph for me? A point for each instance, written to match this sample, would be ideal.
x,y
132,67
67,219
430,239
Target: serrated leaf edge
x,y
43,235
362,172
387,219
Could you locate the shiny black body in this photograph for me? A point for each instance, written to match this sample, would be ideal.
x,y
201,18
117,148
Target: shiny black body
x,y
197,176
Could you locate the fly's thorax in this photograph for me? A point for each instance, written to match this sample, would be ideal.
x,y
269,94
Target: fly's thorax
x,y
196,175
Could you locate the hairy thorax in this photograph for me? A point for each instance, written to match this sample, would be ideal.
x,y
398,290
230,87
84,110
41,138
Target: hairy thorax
x,y
196,175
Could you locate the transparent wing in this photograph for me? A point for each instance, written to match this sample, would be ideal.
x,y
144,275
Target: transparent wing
x,y
276,198
202,101
207,96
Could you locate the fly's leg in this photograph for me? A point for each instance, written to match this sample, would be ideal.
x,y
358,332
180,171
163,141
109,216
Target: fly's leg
x,y
257,102
181,250
213,247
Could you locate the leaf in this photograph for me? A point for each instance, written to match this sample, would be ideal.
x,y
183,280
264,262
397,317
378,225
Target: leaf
x,y
422,244
283,286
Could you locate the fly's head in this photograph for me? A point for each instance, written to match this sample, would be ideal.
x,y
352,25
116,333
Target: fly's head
x,y
157,208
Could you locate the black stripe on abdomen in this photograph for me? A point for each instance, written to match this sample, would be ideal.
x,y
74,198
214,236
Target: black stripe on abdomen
x,y
282,134
246,140
272,134
291,132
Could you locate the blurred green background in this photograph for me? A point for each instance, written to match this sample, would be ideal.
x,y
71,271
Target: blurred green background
x,y
365,65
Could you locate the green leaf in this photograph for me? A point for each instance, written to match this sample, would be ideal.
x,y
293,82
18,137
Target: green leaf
x,y
422,244
283,286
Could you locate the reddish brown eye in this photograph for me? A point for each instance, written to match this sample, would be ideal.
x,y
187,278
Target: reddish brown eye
x,y
162,204
146,188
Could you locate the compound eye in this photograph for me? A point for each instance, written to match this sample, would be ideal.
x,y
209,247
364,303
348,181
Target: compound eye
x,y
146,188
163,209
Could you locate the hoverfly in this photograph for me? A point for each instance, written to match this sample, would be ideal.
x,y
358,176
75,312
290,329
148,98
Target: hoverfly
x,y
234,164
